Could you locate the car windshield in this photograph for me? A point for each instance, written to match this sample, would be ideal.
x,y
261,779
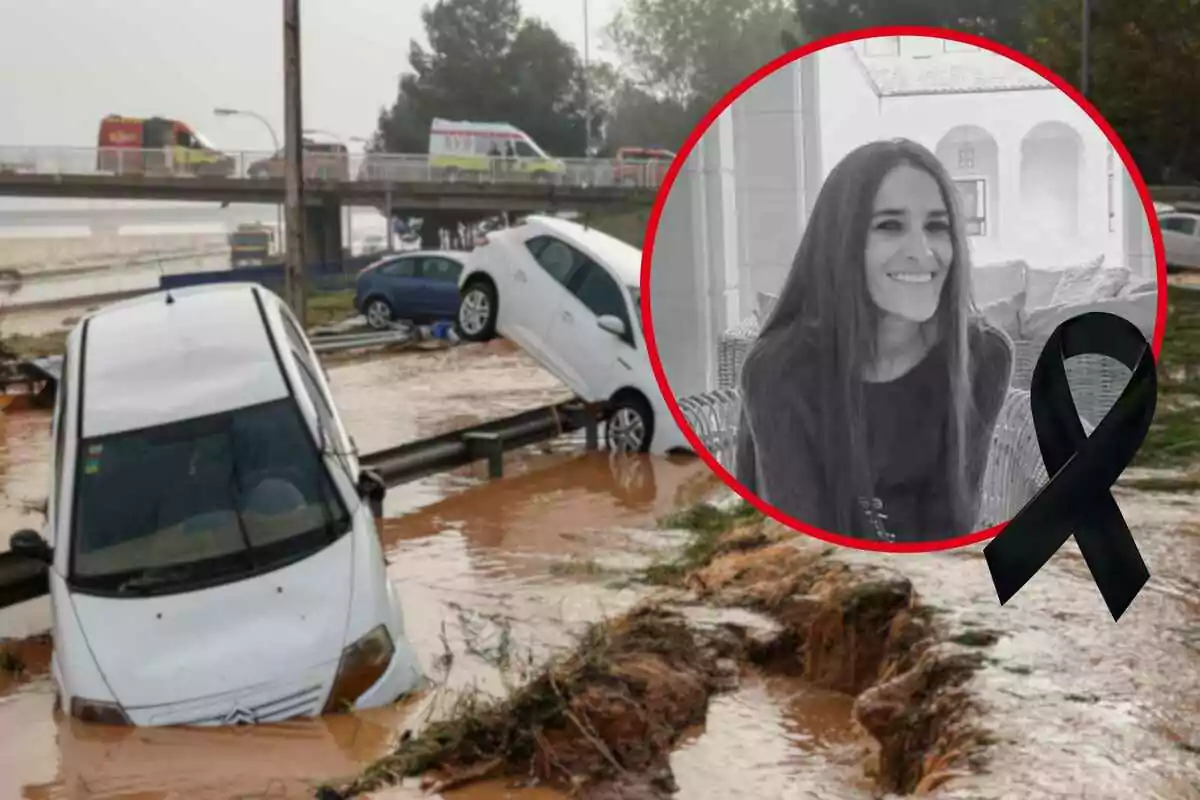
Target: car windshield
x,y
203,141
250,238
202,500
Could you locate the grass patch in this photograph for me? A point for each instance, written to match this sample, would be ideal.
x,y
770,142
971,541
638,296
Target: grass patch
x,y
1184,483
329,307
588,568
628,226
707,524
22,346
323,309
1174,437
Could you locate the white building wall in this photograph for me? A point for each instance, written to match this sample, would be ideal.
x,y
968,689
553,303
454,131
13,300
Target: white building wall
x,y
694,275
850,109
737,210
1008,117
767,125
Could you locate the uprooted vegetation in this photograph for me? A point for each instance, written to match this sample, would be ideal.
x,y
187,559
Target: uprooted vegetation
x,y
602,720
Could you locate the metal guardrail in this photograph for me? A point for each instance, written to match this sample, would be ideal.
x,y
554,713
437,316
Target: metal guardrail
x,y
22,579
387,167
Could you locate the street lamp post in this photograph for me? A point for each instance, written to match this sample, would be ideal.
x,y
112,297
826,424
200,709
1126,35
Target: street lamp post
x,y
235,112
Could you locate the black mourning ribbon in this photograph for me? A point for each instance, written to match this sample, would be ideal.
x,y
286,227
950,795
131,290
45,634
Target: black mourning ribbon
x,y
1076,500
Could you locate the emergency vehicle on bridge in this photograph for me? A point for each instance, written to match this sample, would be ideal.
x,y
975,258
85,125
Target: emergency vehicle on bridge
x,y
158,146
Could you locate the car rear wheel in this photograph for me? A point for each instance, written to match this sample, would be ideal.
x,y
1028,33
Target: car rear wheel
x,y
378,313
630,426
477,312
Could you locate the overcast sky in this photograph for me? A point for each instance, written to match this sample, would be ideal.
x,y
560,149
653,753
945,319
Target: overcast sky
x,y
67,63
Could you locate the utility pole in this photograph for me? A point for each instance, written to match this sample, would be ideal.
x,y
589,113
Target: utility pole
x,y
1085,47
295,272
587,87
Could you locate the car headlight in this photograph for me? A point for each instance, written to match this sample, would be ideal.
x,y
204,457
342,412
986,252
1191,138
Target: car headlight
x,y
98,712
362,664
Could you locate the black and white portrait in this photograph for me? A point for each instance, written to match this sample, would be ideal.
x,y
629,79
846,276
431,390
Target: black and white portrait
x,y
857,266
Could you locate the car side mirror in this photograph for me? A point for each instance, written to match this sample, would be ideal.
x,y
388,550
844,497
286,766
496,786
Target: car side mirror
x,y
613,325
30,544
372,489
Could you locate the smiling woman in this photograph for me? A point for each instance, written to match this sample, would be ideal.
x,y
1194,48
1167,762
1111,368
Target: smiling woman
x,y
872,392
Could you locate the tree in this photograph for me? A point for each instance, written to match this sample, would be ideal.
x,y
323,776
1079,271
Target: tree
x,y
487,64
638,119
999,20
682,56
1144,64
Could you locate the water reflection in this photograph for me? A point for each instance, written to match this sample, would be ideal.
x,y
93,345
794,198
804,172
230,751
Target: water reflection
x,y
285,760
481,558
1080,706
24,470
781,738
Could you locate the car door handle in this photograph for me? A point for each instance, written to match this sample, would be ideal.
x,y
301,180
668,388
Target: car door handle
x,y
566,315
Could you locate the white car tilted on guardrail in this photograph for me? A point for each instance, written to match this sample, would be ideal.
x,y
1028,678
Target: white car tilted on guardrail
x,y
213,557
570,296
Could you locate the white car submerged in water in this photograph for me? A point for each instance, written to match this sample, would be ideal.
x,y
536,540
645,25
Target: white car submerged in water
x,y
213,559
570,296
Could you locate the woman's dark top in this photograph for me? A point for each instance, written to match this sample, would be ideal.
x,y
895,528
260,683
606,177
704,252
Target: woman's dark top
x,y
778,459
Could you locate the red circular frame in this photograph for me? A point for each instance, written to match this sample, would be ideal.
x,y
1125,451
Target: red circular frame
x,y
694,138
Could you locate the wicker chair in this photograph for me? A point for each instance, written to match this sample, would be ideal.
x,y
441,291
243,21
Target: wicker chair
x,y
732,348
1013,474
1096,381
713,417
1014,470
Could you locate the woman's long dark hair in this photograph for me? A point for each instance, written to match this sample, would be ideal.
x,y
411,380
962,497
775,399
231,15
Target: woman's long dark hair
x,y
824,325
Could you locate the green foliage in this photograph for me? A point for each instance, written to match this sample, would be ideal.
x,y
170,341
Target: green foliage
x,y
999,20
1144,68
486,63
1174,438
682,56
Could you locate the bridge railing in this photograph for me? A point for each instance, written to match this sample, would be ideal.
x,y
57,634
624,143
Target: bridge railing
x,y
384,167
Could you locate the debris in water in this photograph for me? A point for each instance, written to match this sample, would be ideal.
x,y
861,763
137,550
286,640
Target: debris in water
x,y
612,710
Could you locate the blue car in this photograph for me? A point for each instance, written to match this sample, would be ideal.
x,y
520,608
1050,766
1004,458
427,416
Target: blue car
x,y
419,287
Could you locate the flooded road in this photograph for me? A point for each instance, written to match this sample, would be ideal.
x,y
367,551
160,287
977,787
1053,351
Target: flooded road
x,y
26,304
24,470
1082,706
491,590
496,576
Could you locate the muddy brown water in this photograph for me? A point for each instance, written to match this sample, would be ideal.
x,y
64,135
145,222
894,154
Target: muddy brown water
x,y
498,575
501,574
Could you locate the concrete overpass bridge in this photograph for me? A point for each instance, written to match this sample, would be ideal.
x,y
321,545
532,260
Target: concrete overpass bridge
x,y
404,185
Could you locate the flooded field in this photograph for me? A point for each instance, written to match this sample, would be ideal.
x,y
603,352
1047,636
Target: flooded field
x,y
495,577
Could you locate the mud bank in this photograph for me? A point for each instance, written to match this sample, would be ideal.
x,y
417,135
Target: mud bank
x,y
603,720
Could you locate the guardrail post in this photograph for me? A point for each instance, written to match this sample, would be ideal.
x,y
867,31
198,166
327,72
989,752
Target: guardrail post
x,y
591,427
489,445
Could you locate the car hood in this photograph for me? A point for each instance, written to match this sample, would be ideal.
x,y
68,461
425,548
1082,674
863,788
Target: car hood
x,y
163,650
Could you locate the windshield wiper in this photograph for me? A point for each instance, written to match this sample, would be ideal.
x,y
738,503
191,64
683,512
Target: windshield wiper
x,y
156,578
